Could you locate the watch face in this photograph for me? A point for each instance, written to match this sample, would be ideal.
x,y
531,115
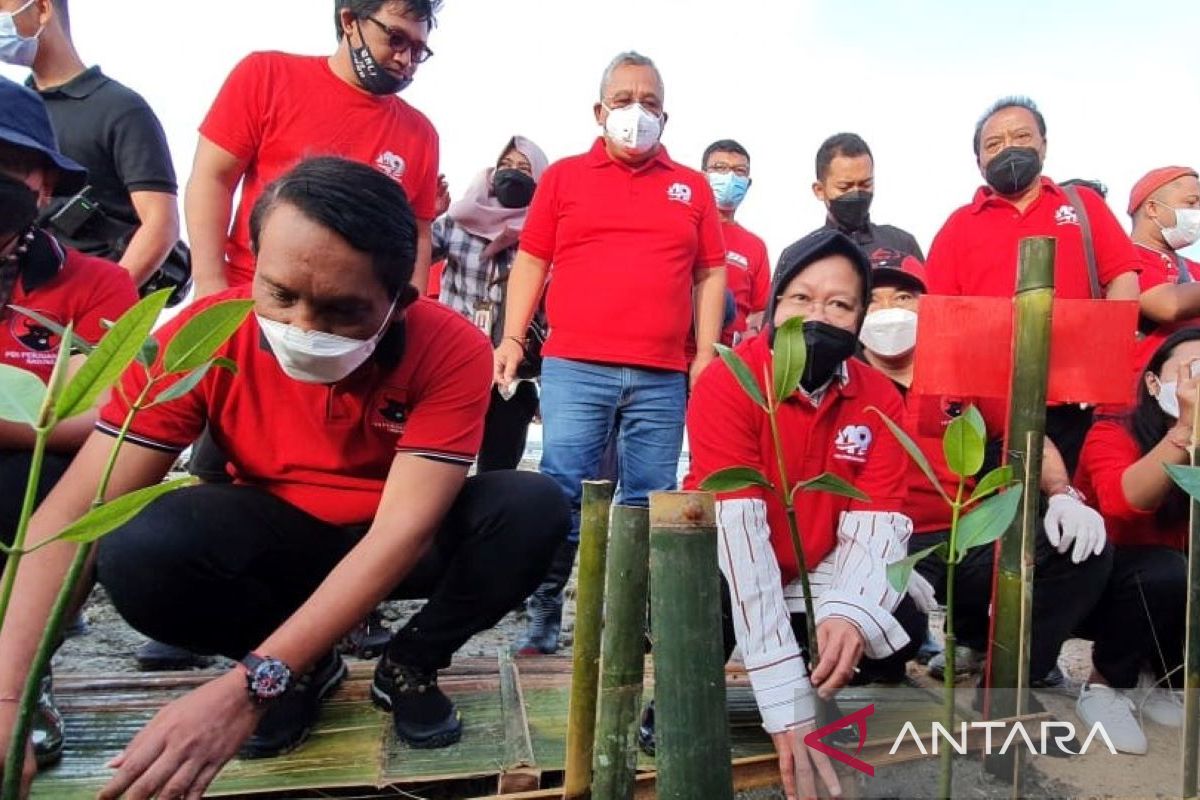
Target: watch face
x,y
270,679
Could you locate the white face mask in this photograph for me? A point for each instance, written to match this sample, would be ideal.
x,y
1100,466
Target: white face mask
x,y
633,128
15,49
316,356
1186,231
1167,399
890,332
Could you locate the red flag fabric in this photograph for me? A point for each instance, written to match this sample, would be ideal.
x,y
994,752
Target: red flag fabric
x,y
964,347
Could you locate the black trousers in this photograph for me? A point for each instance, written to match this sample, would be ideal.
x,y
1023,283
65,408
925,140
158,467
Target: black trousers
x,y
890,669
505,428
14,474
1064,595
217,568
1140,618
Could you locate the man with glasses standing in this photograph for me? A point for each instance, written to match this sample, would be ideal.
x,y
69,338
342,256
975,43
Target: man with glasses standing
x,y
276,108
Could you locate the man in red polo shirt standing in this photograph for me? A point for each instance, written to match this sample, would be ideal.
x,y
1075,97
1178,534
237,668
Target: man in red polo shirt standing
x,y
276,109
826,427
1165,207
976,251
354,416
747,267
627,238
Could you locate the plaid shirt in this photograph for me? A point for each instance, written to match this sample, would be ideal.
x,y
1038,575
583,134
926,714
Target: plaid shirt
x,y
467,280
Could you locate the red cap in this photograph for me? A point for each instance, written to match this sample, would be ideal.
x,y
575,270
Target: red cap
x,y
1152,181
909,272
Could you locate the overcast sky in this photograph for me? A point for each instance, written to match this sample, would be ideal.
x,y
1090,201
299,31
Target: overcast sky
x,y
1118,82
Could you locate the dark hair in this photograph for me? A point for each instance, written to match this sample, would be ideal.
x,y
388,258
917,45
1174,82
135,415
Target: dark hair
x,y
1012,101
723,146
846,145
360,204
1148,424
420,10
1096,186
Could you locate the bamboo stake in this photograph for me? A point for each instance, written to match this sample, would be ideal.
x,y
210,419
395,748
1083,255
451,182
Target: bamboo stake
x,y
623,654
1008,660
585,665
1191,652
692,730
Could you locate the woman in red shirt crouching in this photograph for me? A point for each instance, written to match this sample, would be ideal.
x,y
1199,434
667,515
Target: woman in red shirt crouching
x,y
1139,622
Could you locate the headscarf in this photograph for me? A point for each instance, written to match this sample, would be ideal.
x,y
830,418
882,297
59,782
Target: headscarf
x,y
479,213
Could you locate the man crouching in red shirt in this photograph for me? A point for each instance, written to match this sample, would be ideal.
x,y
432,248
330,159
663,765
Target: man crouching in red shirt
x,y
350,425
826,427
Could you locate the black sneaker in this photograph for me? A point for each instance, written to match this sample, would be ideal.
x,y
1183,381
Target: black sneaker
x,y
290,719
156,656
422,714
47,729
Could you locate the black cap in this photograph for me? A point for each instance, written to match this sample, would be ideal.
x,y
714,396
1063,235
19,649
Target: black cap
x,y
25,123
817,245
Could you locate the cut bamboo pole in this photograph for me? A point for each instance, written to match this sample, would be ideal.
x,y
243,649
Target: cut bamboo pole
x,y
623,654
585,665
1191,652
1008,662
692,731
519,772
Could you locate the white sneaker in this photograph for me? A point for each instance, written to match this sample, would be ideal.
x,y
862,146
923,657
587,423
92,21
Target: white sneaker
x,y
1114,711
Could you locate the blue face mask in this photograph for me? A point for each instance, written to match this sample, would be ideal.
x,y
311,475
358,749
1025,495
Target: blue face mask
x,y
16,49
728,188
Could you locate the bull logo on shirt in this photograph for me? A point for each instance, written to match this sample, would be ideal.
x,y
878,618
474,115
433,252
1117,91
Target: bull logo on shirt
x,y
391,165
393,411
389,410
1066,215
33,334
853,442
952,407
680,193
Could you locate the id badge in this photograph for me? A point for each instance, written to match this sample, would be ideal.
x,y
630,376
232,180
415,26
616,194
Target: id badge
x,y
483,317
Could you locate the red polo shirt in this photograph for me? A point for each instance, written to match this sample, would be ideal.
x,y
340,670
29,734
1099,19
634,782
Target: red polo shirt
x,y
1108,451
1159,268
277,109
327,449
976,251
747,273
625,246
840,436
66,286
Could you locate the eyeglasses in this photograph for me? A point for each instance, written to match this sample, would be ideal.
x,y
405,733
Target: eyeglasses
x,y
835,309
741,170
401,42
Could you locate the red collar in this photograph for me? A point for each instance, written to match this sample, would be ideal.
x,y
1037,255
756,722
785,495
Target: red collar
x,y
986,196
598,156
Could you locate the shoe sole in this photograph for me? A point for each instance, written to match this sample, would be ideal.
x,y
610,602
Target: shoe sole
x,y
327,688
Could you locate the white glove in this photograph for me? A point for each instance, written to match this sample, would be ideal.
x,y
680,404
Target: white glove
x,y
921,591
1068,520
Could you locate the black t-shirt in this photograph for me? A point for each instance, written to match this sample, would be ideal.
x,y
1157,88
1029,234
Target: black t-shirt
x,y
110,130
882,243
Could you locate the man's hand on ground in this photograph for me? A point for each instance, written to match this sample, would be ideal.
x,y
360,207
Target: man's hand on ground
x,y
187,743
840,646
799,765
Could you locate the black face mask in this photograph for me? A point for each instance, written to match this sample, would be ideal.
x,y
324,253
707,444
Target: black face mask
x,y
1013,170
371,76
513,188
851,209
828,346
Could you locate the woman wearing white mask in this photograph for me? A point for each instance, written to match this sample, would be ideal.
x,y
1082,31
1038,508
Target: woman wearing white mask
x,y
1140,619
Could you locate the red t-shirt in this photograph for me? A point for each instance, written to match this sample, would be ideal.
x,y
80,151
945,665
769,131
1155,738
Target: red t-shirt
x,y
65,286
625,247
277,109
726,429
976,252
1159,268
327,449
1107,452
747,274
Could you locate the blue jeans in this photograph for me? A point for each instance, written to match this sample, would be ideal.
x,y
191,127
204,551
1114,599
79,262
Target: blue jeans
x,y
584,403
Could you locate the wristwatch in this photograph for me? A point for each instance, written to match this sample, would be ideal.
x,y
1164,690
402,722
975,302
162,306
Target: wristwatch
x,y
266,678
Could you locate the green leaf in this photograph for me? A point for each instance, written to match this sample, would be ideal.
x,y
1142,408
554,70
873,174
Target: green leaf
x,y
226,364
112,515
183,385
963,443
742,373
898,572
830,484
914,452
788,357
149,352
732,479
1187,478
995,480
199,338
988,521
58,379
21,395
112,355
77,342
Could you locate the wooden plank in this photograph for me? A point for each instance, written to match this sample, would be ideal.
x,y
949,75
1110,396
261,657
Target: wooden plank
x,y
518,771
